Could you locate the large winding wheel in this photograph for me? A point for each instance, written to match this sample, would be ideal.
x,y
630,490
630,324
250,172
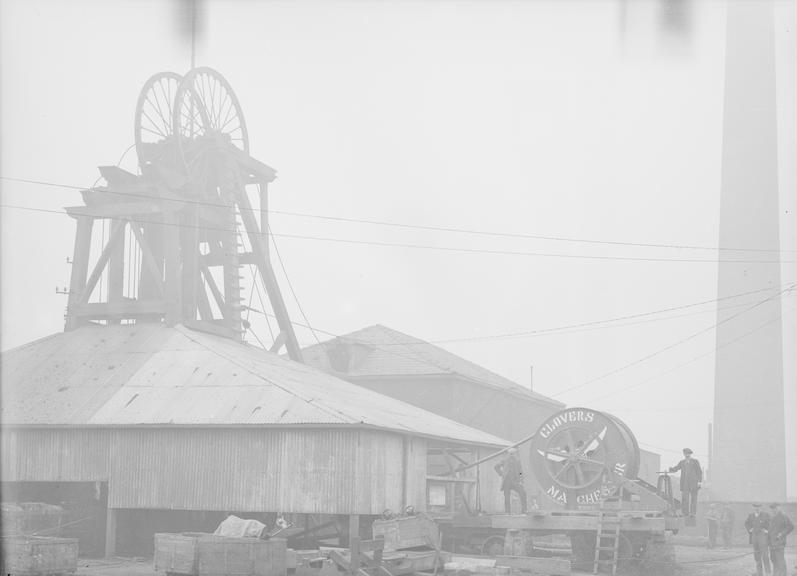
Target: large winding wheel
x,y
580,456
154,123
207,119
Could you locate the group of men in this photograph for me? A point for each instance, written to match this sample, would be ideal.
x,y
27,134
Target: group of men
x,y
768,532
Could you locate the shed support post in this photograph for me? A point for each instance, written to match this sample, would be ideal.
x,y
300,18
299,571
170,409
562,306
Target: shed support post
x,y
110,532
354,542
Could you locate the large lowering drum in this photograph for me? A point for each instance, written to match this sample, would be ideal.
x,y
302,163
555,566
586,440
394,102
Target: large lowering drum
x,y
579,456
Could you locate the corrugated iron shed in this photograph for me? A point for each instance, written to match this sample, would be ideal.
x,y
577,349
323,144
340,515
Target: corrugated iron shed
x,y
379,351
154,375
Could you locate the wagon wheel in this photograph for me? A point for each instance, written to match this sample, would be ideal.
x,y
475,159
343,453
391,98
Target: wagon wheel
x,y
575,457
206,117
154,125
493,546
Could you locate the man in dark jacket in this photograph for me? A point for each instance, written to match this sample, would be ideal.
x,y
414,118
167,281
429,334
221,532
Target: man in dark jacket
x,y
691,477
757,525
779,527
511,473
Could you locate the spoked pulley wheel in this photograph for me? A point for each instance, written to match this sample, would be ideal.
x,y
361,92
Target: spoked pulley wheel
x,y
580,456
154,123
206,116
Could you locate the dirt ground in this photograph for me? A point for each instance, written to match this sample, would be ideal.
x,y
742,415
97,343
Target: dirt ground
x,y
691,561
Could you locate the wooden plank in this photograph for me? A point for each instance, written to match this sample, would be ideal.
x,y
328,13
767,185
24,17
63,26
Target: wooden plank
x,y
110,532
117,234
116,310
259,248
217,259
125,210
231,274
80,266
451,479
214,289
354,542
264,215
548,566
203,304
116,270
153,266
564,522
149,284
263,172
190,263
171,263
209,328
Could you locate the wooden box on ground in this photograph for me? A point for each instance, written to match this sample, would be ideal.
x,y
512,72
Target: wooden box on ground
x,y
200,554
39,556
410,532
31,518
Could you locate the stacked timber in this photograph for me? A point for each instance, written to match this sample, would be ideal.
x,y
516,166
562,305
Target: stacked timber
x,y
200,554
39,556
508,566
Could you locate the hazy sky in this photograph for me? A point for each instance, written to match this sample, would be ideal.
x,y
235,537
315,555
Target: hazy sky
x,y
537,118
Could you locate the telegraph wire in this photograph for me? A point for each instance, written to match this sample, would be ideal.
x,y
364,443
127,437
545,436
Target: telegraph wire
x,y
429,247
290,284
518,235
568,327
673,345
434,228
690,361
615,371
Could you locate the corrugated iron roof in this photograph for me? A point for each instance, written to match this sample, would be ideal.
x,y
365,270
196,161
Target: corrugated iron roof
x,y
379,351
151,374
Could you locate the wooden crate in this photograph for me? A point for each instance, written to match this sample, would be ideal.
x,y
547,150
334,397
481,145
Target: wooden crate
x,y
31,518
39,556
200,554
410,532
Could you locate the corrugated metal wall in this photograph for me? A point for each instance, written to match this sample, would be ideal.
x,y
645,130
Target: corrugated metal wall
x,y
319,471
54,455
302,471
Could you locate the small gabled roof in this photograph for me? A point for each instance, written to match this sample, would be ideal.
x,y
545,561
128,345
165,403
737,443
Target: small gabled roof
x,y
379,351
155,375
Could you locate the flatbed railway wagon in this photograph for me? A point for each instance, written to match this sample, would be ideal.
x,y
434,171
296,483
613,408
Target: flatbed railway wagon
x,y
586,464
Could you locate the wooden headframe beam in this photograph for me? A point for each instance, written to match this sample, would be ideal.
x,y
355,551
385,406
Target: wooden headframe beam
x,y
259,249
214,289
80,267
117,233
149,260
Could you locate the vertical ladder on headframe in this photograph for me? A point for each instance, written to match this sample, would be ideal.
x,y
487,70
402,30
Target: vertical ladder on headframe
x,y
607,542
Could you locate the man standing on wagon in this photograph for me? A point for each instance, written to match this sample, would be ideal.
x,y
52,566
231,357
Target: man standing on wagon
x,y
691,477
511,473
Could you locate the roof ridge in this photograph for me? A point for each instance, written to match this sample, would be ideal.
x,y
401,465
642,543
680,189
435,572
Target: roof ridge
x,y
330,411
406,341
449,353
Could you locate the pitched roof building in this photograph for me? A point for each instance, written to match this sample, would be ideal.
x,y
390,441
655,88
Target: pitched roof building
x,y
421,373
168,419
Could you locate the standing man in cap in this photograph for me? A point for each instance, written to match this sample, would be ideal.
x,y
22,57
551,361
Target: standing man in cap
x,y
691,477
779,527
511,473
757,525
